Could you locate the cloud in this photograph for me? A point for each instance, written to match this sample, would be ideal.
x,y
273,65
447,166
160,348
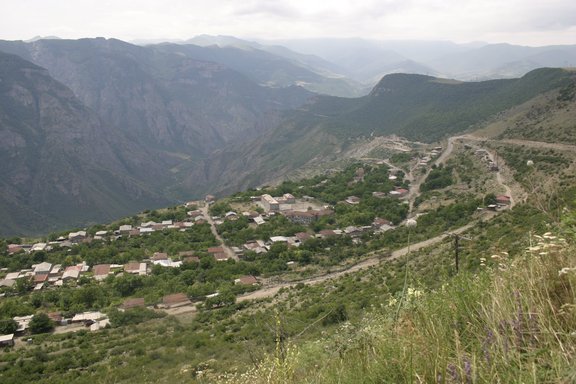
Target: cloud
x,y
515,21
268,8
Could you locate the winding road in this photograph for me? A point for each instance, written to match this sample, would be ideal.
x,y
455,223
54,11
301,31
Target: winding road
x,y
376,257
227,250
374,260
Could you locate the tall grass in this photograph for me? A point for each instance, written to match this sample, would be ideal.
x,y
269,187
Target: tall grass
x,y
514,322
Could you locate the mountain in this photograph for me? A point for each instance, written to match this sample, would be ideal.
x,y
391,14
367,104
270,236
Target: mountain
x,y
503,61
163,112
59,162
366,60
273,66
170,122
418,107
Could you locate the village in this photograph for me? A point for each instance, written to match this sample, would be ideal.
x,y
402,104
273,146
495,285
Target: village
x,y
257,210
48,276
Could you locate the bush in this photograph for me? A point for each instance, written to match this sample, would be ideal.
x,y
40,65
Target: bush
x,y
41,323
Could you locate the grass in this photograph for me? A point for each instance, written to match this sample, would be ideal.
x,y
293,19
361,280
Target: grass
x,y
514,321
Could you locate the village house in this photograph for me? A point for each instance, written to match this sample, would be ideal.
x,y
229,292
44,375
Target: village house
x,y
287,198
42,269
77,237
175,300
259,220
159,256
302,236
40,247
7,340
88,318
136,268
278,239
246,280
300,217
218,253
168,263
101,271
399,193
125,229
23,322
257,246
14,248
353,200
9,283
12,276
71,273
269,203
57,318
503,200
137,302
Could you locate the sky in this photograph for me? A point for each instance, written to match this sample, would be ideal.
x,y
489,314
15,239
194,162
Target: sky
x,y
523,22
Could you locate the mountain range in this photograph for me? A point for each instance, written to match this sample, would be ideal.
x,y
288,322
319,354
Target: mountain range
x,y
94,129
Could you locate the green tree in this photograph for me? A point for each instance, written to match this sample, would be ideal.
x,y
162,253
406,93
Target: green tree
x,y
489,199
41,323
8,326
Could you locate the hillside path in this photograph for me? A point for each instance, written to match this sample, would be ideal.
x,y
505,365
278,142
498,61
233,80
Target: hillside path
x,y
227,250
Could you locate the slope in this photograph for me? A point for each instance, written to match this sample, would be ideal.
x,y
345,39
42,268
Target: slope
x,y
417,107
58,164
268,68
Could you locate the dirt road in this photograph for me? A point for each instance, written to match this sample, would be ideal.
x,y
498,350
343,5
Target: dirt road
x,y
227,250
367,263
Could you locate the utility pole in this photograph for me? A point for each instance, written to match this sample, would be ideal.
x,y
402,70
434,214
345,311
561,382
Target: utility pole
x,y
457,238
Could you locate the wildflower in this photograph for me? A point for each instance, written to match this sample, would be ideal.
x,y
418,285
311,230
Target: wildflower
x,y
565,271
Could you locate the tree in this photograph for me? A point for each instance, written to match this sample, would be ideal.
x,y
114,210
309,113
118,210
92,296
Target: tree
x,y
489,199
41,323
8,326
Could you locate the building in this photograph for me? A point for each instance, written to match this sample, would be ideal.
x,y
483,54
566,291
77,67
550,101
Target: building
x,y
246,280
353,200
101,271
175,300
503,200
7,340
132,303
159,256
135,268
77,237
270,204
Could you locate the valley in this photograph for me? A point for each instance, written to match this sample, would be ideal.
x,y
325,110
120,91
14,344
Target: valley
x,y
367,253
239,212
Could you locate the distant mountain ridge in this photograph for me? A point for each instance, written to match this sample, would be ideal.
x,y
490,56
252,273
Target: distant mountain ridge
x,y
161,113
96,128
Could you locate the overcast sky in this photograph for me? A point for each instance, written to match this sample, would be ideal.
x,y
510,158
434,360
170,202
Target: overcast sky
x,y
526,22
